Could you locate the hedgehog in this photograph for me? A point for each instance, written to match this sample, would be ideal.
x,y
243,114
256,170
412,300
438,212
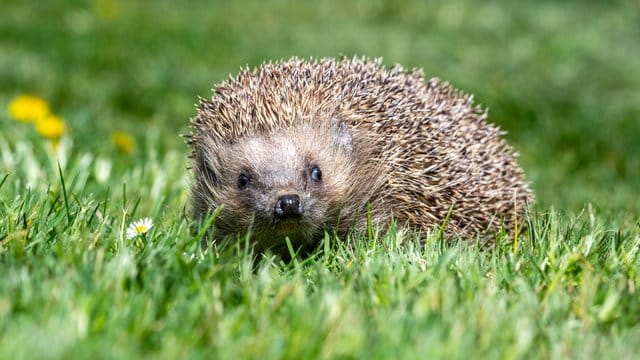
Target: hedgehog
x,y
299,148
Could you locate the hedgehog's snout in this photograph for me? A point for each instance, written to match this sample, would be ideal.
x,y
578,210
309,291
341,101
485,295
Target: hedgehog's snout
x,y
288,206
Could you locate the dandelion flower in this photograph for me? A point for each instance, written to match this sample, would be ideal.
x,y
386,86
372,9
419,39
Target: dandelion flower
x,y
139,227
106,9
28,108
123,142
50,126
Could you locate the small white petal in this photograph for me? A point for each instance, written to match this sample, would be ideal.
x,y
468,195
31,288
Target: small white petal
x,y
139,227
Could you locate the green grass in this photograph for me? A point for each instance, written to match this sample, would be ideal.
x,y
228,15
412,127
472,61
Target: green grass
x,y
561,77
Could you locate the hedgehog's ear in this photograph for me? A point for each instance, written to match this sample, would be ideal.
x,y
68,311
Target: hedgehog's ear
x,y
207,167
210,172
208,161
342,136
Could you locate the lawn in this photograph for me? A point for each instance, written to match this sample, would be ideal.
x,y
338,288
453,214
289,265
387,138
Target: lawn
x,y
120,79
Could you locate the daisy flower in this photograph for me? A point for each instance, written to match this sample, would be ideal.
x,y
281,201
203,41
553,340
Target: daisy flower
x,y
139,227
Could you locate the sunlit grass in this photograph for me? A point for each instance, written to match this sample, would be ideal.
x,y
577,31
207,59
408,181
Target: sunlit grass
x,y
92,107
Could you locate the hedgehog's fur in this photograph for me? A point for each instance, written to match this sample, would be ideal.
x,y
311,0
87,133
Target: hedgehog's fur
x,y
412,149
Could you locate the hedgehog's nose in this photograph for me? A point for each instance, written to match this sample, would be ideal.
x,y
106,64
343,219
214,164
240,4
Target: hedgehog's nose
x,y
288,206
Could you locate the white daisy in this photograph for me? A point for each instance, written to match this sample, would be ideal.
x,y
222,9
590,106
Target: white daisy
x,y
139,227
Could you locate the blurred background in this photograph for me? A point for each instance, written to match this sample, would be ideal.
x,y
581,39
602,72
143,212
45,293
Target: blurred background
x,y
561,77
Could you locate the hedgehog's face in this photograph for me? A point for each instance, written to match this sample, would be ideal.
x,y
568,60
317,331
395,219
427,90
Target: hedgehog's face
x,y
284,184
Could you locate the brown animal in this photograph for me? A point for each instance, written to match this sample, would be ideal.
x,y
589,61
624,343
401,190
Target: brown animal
x,y
296,148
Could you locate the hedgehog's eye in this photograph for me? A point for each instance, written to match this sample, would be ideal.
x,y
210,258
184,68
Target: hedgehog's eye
x,y
315,174
243,181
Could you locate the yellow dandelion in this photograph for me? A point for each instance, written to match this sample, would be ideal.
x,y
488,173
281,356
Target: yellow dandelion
x,y
106,9
28,108
139,227
123,142
51,127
